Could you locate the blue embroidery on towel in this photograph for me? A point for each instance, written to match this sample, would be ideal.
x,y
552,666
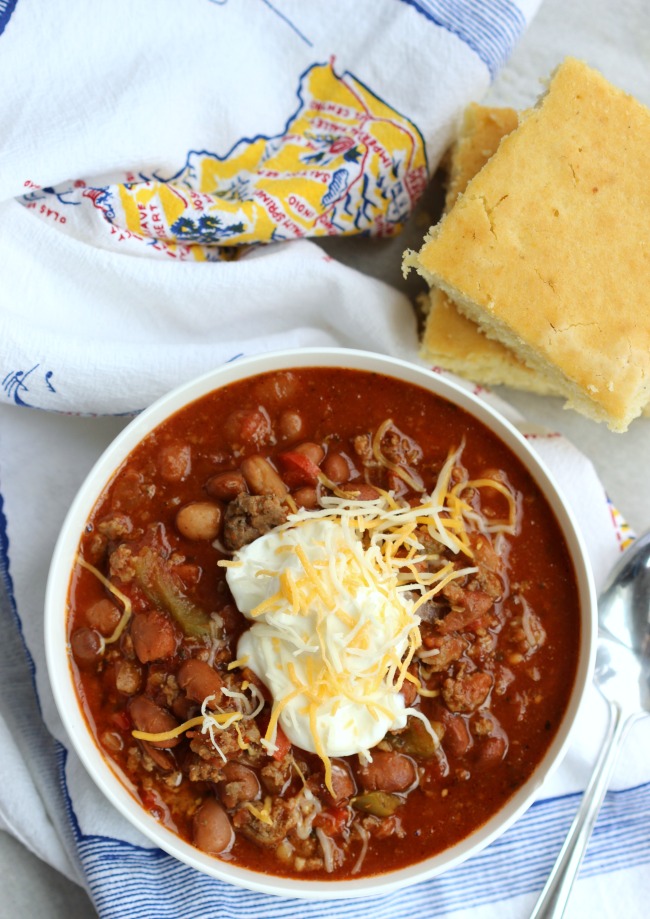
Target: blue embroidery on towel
x,y
6,9
289,22
491,28
15,383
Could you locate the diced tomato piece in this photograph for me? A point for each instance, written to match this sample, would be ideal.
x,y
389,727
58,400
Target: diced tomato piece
x,y
332,821
298,469
148,799
151,804
189,573
121,720
282,743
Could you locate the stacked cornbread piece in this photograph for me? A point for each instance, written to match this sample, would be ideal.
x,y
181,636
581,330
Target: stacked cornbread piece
x,y
541,264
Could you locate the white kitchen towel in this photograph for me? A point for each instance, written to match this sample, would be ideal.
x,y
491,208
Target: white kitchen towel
x,y
161,165
157,158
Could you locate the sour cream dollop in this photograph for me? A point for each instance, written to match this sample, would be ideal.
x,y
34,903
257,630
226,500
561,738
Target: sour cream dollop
x,y
330,631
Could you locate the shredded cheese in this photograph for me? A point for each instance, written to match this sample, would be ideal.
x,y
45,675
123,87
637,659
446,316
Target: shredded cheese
x,y
124,600
220,720
213,721
399,471
263,814
509,524
334,595
241,662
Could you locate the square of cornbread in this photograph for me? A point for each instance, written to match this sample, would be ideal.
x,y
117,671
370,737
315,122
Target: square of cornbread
x,y
548,247
449,339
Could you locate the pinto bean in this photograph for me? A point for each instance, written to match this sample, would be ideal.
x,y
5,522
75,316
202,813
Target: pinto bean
x,y
362,491
240,784
277,388
199,680
226,485
336,468
387,772
261,477
199,520
247,427
128,677
492,750
175,462
152,719
343,784
103,616
153,636
162,758
183,707
112,741
290,425
306,497
314,451
87,646
457,739
212,830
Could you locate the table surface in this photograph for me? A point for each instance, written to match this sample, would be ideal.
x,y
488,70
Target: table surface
x,y
603,39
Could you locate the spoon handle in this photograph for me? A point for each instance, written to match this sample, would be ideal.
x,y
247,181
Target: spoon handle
x,y
555,895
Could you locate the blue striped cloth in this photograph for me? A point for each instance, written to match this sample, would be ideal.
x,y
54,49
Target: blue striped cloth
x,y
122,876
489,29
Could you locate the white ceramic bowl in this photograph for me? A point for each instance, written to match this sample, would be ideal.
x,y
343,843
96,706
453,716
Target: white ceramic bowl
x,y
58,652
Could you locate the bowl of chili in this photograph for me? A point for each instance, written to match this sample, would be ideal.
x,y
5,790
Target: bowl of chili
x,y
319,623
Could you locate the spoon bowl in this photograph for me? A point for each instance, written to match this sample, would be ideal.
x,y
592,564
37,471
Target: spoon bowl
x,y
622,676
623,660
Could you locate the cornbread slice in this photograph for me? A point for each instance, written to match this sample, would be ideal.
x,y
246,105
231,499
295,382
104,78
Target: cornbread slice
x,y
453,342
548,248
482,130
449,339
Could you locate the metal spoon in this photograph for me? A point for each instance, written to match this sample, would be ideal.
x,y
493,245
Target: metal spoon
x,y
622,675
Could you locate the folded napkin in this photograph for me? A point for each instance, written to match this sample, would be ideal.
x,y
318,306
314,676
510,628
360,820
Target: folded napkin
x,y
162,168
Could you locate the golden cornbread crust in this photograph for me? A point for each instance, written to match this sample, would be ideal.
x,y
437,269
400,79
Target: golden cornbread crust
x,y
453,342
547,249
449,339
481,131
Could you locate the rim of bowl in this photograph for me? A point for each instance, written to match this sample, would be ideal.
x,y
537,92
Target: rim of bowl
x,y
107,776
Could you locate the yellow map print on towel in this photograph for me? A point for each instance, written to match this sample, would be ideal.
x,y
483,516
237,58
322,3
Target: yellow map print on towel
x,y
345,163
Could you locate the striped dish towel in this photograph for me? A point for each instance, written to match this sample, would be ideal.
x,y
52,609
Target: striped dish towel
x,y
160,188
